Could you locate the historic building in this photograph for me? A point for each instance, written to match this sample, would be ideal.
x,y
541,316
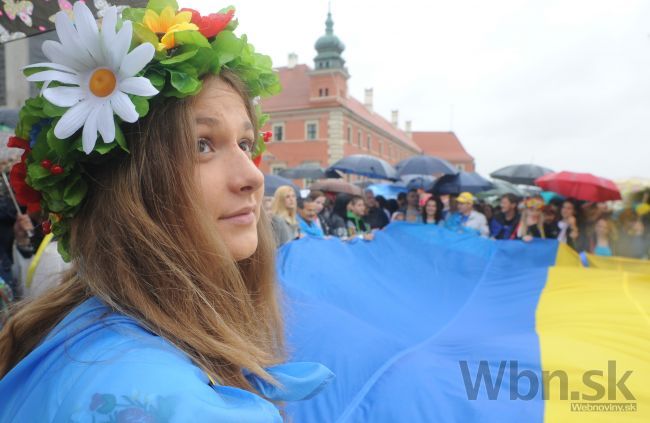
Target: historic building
x,y
315,121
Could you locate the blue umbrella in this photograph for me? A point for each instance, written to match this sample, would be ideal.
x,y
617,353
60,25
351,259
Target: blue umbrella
x,y
425,165
388,191
365,165
424,182
273,182
462,182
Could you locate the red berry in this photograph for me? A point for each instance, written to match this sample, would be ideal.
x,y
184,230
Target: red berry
x,y
47,227
56,169
46,163
267,136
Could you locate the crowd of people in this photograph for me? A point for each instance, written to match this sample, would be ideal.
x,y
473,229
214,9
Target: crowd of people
x,y
584,226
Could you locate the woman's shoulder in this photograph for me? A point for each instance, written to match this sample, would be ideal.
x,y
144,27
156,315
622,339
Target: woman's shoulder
x,y
98,365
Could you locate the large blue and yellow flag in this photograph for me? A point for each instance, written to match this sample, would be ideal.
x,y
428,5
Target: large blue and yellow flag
x,y
424,325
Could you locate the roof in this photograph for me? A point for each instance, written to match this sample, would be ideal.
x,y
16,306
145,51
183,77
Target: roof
x,y
442,144
295,95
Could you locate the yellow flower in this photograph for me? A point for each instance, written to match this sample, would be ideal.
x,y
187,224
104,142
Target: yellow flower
x,y
166,24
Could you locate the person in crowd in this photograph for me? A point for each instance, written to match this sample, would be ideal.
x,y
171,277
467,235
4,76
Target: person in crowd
x,y
375,216
567,226
504,223
267,205
401,201
604,238
590,213
531,225
432,211
337,219
320,200
307,218
171,308
486,209
634,241
392,206
466,219
283,219
412,211
383,205
355,224
448,205
550,216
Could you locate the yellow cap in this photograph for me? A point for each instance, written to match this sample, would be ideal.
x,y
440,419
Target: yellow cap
x,y
465,198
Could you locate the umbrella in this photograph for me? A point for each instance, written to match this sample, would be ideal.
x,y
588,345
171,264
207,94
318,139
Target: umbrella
x,y
501,188
425,165
581,186
303,171
336,185
24,18
462,182
273,182
365,165
633,185
387,191
524,174
424,182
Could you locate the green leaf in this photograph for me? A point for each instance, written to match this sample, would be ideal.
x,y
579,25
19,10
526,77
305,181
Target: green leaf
x,y
104,147
60,147
180,57
53,111
134,14
144,34
185,83
75,192
141,105
227,46
190,37
36,172
120,140
157,77
158,5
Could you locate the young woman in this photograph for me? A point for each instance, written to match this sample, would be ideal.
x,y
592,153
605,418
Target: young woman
x,y
568,231
284,210
531,224
604,238
432,211
170,309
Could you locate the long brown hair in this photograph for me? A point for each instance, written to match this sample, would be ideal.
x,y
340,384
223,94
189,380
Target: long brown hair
x,y
146,248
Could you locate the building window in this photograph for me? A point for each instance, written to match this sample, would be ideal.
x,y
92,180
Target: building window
x,y
278,132
311,130
381,147
349,134
277,167
369,142
359,139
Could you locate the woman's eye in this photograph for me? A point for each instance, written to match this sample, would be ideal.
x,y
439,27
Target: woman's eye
x,y
204,146
246,145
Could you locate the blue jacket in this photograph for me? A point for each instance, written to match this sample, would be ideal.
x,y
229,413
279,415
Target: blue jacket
x,y
100,366
311,230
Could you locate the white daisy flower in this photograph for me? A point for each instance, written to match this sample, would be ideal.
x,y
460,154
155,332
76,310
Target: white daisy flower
x,y
98,70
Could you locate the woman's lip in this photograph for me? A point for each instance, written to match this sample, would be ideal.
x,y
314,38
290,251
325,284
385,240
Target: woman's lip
x,y
240,219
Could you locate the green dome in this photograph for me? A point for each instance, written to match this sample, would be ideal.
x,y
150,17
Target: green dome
x,y
329,48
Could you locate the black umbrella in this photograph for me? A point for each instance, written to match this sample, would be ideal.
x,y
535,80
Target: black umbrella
x,y
425,165
524,174
365,165
303,172
462,182
24,18
273,182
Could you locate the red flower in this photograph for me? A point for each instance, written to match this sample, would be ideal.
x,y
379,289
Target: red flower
x,y
25,195
267,136
211,24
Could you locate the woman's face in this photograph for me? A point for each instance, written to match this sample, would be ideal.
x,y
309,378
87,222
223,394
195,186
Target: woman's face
x,y
567,210
602,228
290,201
231,185
320,203
430,208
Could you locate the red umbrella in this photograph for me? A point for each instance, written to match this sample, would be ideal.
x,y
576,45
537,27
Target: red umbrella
x,y
581,186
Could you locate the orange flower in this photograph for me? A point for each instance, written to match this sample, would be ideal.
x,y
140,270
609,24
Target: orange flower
x,y
165,24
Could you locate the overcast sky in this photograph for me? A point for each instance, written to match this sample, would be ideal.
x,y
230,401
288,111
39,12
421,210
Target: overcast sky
x,y
560,83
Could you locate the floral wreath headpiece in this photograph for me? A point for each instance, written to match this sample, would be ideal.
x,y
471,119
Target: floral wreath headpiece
x,y
534,203
99,77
